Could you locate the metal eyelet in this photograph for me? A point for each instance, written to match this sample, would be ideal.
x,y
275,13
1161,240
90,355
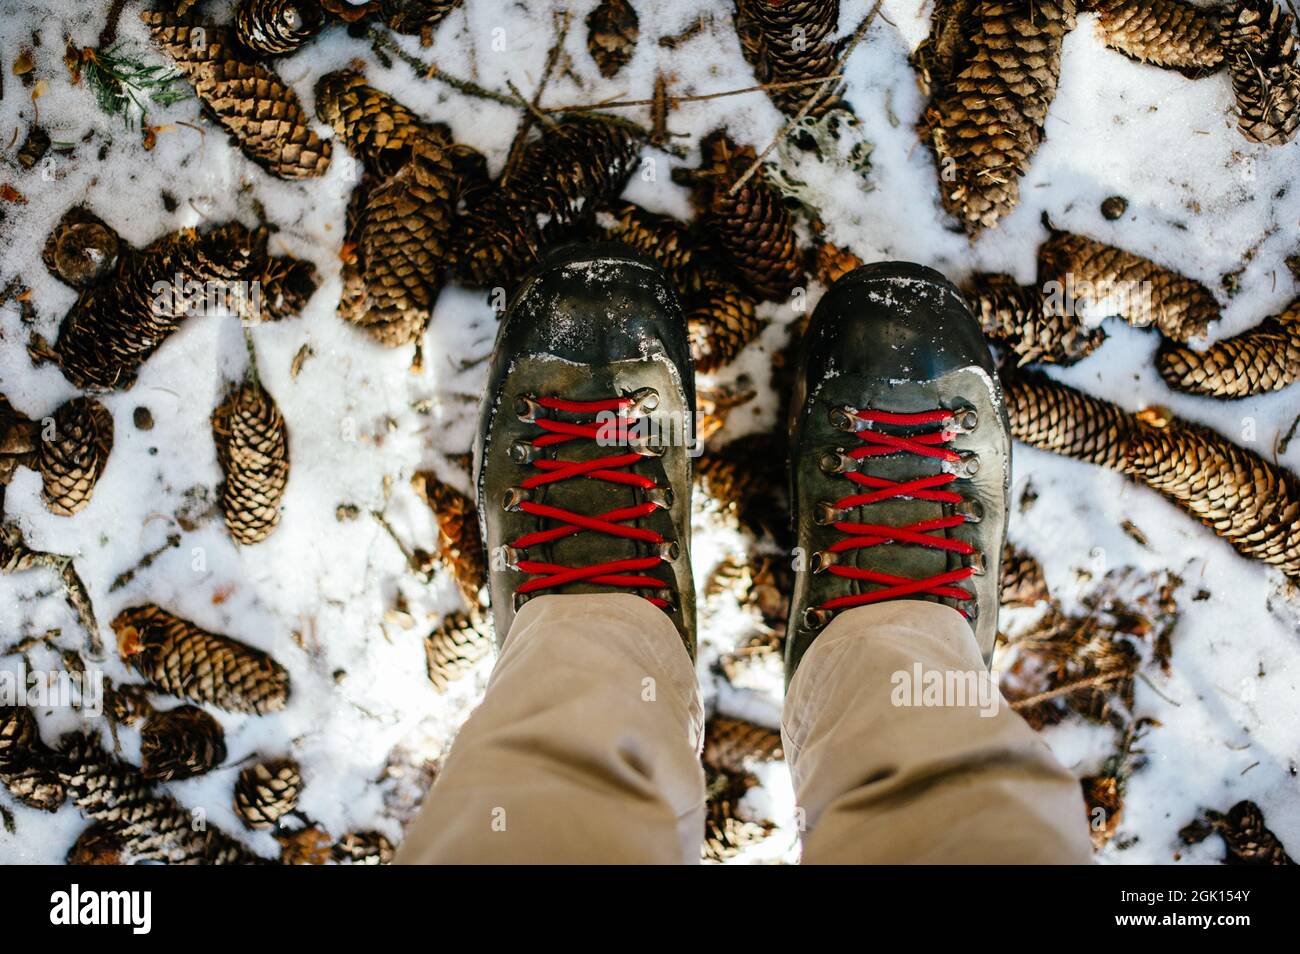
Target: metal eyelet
x,y
827,513
643,447
513,497
669,551
527,409
509,556
972,510
661,497
645,399
843,419
824,559
966,466
836,462
976,562
814,618
965,420
524,452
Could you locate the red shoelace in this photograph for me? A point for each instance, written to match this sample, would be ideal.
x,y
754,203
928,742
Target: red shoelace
x,y
926,533
619,574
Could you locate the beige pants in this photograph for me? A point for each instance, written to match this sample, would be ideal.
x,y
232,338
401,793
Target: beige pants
x,y
586,749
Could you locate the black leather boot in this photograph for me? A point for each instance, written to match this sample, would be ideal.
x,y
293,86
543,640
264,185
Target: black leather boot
x,y
583,463
900,455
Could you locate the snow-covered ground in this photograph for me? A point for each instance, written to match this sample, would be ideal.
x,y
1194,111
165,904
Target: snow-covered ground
x,y
363,718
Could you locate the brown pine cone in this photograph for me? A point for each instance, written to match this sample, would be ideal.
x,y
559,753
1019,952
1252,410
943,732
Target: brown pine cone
x,y
276,27
362,848
1032,326
251,102
401,239
1249,502
662,238
721,319
726,834
1259,360
1168,33
747,479
459,543
266,792
612,30
181,743
731,744
986,123
175,656
791,40
1058,418
20,441
97,845
831,263
1023,583
149,826
73,458
456,645
253,451
284,287
752,229
1259,44
119,321
575,166
1245,836
27,766
377,129
81,249
414,17
1089,273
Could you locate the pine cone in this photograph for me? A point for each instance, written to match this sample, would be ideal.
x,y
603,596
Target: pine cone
x,y
377,129
251,102
1089,274
726,834
459,542
747,478
119,321
73,459
27,766
580,163
791,40
731,744
1252,504
1259,360
987,123
1030,325
150,826
1023,583
1166,33
720,320
97,845
414,17
456,645
276,27
661,238
612,30
253,451
1247,839
363,848
831,263
401,239
1259,44
266,792
181,743
177,657
285,285
752,228
1058,418
81,249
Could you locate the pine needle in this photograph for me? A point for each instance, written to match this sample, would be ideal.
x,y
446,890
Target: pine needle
x,y
124,86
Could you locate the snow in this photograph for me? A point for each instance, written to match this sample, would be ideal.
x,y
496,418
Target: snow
x,y
314,595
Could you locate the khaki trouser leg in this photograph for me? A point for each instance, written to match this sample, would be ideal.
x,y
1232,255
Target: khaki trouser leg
x,y
585,748
884,783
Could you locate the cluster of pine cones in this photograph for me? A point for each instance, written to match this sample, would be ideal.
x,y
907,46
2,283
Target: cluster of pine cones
x,y
990,68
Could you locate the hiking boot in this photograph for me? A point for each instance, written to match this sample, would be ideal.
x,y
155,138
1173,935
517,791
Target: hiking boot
x,y
583,458
900,455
